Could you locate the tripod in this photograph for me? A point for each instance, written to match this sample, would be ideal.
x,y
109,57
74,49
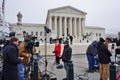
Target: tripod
x,y
45,75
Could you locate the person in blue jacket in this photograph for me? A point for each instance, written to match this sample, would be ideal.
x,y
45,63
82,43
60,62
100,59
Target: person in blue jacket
x,y
90,53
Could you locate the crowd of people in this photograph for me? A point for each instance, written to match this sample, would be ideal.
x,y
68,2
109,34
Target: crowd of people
x,y
62,39
16,56
15,59
98,54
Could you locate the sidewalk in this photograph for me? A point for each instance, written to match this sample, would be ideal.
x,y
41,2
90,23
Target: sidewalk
x,y
80,66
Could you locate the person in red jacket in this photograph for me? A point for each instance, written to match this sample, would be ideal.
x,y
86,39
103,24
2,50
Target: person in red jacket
x,y
57,51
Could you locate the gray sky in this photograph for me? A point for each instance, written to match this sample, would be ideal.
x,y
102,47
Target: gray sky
x,y
101,13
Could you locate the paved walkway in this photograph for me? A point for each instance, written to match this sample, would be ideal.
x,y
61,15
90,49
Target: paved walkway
x,y
80,66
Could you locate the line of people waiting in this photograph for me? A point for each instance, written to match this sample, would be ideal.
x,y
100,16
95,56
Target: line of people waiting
x,y
100,51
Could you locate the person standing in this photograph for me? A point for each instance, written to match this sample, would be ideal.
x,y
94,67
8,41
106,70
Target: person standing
x,y
57,51
66,56
71,39
90,53
25,54
104,59
117,50
11,60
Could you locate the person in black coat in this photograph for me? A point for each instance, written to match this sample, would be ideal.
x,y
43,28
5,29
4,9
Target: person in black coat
x,y
10,60
71,39
66,56
104,59
117,50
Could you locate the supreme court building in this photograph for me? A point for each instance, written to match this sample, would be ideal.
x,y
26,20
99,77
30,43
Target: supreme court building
x,y
63,21
66,21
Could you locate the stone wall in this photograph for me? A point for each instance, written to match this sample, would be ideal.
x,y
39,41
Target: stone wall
x,y
76,49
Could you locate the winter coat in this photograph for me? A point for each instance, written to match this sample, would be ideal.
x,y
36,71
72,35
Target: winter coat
x,y
10,62
92,50
67,53
103,54
23,52
117,51
57,49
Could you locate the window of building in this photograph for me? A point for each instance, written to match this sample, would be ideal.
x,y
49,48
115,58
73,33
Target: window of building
x,y
96,34
40,33
36,34
99,34
32,33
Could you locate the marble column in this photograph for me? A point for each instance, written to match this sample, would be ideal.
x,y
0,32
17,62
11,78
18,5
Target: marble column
x,y
75,27
65,26
80,27
70,26
83,26
55,24
50,22
60,26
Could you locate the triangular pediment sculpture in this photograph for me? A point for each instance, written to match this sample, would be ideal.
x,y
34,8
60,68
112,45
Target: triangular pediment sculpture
x,y
67,9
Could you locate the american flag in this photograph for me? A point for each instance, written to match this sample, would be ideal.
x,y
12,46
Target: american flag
x,y
3,6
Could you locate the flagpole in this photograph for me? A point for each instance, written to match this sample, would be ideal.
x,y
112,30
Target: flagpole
x,y
3,11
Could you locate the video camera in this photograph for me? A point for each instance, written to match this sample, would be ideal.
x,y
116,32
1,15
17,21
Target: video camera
x,y
30,42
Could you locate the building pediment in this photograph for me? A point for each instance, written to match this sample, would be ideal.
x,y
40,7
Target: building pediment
x,y
67,9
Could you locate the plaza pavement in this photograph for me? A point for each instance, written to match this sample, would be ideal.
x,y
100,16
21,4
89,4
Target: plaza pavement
x,y
80,67
79,61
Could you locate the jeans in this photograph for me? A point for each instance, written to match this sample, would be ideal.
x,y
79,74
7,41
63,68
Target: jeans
x,y
90,61
66,68
21,71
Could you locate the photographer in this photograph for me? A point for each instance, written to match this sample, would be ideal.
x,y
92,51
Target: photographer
x,y
24,52
117,50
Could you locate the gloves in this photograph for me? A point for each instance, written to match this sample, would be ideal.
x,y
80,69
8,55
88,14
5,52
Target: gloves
x,y
60,57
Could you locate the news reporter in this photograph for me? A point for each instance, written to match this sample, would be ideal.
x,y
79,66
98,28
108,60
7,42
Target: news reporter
x,y
11,60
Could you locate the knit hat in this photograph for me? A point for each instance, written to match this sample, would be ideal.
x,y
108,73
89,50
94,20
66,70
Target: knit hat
x,y
101,39
66,42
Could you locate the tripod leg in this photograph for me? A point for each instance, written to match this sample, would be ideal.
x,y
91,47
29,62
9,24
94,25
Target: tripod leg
x,y
115,57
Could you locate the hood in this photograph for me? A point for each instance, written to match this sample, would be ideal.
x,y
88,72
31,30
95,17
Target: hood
x,y
94,43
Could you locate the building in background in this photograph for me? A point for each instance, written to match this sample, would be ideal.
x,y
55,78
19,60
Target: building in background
x,y
63,21
36,30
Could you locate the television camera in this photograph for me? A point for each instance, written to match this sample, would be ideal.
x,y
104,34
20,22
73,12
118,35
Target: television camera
x,y
30,43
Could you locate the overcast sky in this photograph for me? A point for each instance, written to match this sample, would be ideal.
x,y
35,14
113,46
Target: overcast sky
x,y
101,13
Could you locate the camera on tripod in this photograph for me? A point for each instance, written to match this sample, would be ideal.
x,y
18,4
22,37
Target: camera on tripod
x,y
30,41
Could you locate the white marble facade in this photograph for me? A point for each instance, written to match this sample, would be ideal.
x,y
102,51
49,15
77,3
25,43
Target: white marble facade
x,y
66,21
62,21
